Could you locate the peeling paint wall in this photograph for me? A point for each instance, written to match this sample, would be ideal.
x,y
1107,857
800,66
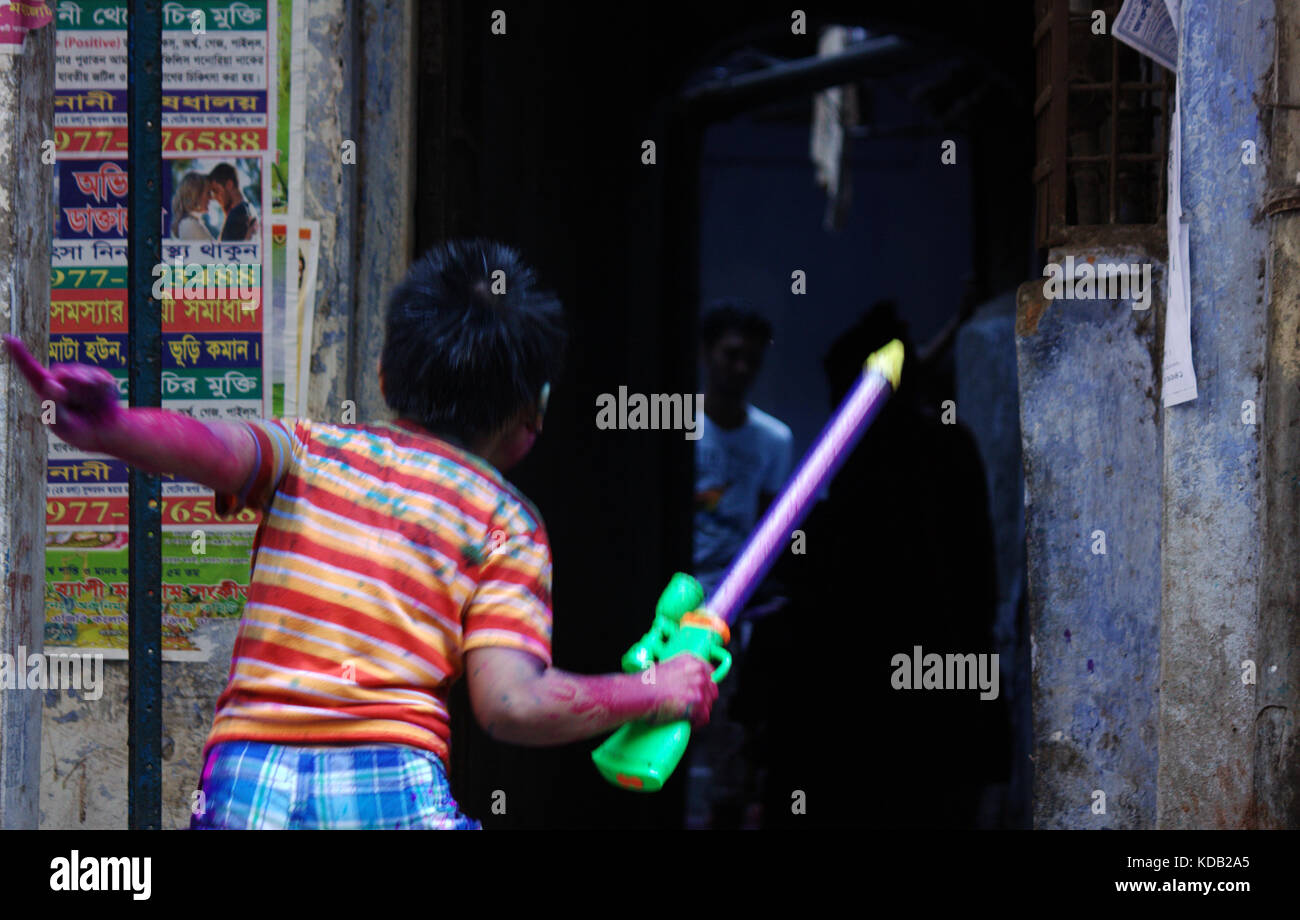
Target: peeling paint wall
x,y
1089,414
330,191
26,196
1203,543
1213,491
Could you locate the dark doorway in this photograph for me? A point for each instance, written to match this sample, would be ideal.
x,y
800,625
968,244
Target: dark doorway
x,y
535,138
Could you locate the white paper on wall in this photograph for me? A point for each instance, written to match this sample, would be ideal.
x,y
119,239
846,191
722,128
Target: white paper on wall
x,y
1179,376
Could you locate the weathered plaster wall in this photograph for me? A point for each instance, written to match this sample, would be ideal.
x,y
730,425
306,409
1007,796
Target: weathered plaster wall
x,y
1201,567
1089,374
1212,529
387,168
330,192
84,749
1277,743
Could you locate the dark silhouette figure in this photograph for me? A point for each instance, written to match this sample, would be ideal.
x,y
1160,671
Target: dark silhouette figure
x,y
901,555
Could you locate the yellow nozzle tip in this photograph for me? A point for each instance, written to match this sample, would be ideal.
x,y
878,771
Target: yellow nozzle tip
x,y
889,361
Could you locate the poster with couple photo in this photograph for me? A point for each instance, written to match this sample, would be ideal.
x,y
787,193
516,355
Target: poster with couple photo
x,y
222,350
213,200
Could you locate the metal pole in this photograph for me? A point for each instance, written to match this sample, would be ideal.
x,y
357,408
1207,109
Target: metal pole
x,y
731,95
144,346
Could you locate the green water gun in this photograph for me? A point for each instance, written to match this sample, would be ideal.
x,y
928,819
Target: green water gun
x,y
641,756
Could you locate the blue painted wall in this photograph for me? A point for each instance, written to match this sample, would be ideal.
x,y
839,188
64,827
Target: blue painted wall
x,y
1092,461
1213,493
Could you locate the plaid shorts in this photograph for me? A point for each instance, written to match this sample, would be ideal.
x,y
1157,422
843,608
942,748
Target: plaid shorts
x,y
250,785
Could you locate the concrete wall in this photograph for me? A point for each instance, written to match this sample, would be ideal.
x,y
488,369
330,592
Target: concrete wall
x,y
84,745
1090,422
1213,490
1199,503
330,192
387,171
26,195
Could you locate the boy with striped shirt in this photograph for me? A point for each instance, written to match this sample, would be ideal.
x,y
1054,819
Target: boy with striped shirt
x,y
391,558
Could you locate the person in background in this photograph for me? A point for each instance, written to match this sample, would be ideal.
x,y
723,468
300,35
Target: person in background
x,y
900,555
742,460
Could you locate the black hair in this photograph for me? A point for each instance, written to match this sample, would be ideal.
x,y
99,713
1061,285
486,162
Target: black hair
x,y
731,314
459,359
223,173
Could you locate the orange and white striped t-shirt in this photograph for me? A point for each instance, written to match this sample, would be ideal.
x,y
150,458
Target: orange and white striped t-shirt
x,y
383,556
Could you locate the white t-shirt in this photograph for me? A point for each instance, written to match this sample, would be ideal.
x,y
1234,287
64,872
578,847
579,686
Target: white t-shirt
x,y
731,468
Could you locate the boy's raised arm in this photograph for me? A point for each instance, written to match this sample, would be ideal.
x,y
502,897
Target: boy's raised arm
x,y
219,455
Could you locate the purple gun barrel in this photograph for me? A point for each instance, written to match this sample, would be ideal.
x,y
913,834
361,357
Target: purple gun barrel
x,y
879,380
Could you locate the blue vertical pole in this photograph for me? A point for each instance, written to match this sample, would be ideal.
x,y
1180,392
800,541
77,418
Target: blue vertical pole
x,y
144,345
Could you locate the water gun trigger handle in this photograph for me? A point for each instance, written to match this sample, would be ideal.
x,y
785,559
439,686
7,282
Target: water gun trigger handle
x,y
682,596
720,658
